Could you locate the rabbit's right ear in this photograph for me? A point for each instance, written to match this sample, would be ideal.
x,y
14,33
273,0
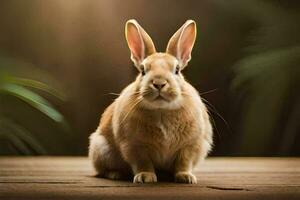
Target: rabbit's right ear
x,y
139,42
182,42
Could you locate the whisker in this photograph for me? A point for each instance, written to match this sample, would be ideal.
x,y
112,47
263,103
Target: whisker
x,y
145,92
111,93
186,94
136,92
214,123
131,109
118,94
209,91
212,108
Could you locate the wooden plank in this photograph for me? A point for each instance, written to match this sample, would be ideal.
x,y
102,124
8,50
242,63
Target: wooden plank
x,y
218,178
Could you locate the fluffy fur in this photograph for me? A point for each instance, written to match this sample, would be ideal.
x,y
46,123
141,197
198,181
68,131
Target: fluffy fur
x,y
158,121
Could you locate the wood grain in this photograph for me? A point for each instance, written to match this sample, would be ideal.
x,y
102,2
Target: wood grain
x,y
218,178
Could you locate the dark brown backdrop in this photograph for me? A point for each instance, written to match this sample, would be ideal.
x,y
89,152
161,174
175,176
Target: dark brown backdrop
x,y
81,44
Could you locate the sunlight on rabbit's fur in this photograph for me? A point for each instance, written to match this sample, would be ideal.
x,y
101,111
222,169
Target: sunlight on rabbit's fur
x,y
159,121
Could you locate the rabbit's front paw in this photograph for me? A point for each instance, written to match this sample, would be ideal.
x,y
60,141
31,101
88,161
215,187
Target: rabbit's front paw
x,y
185,177
145,177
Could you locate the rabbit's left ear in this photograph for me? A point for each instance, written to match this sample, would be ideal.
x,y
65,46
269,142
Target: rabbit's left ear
x,y
181,43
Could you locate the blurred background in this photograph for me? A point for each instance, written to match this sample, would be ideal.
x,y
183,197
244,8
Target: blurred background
x,y
61,59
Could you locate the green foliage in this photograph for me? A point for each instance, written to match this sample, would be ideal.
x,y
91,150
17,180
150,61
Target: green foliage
x,y
23,141
18,136
267,80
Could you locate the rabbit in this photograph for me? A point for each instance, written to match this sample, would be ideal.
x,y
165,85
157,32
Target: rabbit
x,y
159,121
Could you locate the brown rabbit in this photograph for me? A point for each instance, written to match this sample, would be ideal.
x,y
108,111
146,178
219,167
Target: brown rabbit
x,y
158,121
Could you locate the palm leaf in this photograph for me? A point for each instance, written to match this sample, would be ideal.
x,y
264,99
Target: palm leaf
x,y
35,84
16,142
33,99
21,138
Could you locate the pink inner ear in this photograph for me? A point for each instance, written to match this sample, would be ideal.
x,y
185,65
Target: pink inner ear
x,y
186,43
135,42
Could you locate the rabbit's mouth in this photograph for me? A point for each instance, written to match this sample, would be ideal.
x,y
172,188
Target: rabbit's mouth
x,y
159,101
159,97
164,98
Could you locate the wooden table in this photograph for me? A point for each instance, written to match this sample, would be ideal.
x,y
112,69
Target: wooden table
x,y
218,178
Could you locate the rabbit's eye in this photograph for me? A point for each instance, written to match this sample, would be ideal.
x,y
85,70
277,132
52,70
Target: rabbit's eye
x,y
143,71
177,70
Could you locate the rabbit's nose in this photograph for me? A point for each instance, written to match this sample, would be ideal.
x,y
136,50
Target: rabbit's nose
x,y
159,84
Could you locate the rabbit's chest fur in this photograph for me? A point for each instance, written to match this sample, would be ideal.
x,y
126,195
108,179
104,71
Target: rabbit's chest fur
x,y
162,133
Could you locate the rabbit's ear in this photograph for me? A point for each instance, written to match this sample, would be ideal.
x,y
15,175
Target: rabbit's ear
x,y
181,43
139,42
